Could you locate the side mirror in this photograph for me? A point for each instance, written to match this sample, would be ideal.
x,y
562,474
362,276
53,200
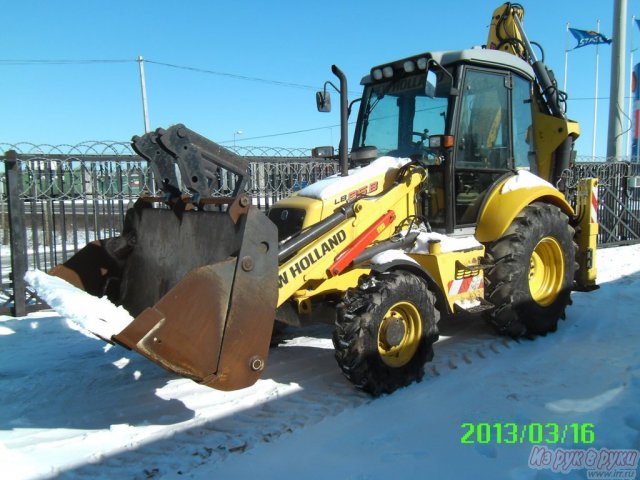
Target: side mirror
x,y
322,152
363,154
432,82
323,101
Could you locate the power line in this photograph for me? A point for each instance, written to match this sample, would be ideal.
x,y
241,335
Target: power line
x,y
241,77
60,62
192,69
164,64
180,67
570,99
169,65
592,98
285,133
234,75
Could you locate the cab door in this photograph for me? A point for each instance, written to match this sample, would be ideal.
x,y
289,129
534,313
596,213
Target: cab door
x,y
493,117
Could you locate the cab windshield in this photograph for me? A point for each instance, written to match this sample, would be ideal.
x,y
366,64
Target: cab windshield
x,y
399,115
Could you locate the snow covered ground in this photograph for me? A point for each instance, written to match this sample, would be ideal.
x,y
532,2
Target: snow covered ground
x,y
562,406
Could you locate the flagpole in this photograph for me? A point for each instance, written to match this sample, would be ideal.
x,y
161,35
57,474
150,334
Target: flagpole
x,y
595,103
627,147
566,58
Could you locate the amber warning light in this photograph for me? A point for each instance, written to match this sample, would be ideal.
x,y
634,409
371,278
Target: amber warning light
x,y
441,141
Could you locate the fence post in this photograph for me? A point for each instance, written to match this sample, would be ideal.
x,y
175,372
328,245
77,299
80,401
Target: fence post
x,y
3,216
18,233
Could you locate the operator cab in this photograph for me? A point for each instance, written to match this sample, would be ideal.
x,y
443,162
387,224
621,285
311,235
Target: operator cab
x,y
465,116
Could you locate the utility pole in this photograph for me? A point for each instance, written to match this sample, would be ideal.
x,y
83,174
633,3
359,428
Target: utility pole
x,y
616,96
566,58
143,87
629,135
595,101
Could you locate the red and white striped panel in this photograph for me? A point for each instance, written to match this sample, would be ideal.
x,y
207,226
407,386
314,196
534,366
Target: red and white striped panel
x,y
467,284
594,205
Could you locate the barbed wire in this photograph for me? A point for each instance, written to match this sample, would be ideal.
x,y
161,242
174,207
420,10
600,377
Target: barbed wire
x,y
605,172
602,159
97,147
249,151
112,147
123,149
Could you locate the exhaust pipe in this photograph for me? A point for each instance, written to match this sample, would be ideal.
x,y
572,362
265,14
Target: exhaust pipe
x,y
344,119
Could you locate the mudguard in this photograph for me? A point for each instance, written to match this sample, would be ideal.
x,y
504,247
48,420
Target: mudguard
x,y
502,205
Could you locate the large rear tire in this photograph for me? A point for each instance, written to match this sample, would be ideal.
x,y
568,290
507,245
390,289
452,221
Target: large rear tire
x,y
532,272
385,332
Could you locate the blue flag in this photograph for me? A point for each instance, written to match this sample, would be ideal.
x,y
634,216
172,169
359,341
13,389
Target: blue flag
x,y
588,37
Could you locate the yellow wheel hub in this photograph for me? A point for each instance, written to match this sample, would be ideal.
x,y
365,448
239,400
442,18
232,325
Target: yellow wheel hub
x,y
399,334
546,271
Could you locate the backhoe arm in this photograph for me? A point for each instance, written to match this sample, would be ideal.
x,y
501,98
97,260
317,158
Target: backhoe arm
x,y
553,134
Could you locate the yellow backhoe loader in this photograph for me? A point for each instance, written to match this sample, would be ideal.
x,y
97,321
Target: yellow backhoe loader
x,y
446,203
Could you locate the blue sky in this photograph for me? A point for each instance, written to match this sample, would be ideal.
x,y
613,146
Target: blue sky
x,y
285,41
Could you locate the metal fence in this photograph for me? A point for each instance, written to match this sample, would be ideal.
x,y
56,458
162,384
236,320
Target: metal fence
x,y
55,199
618,199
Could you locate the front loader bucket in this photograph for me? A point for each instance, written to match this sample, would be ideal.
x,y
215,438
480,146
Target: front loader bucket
x,y
202,288
200,277
215,324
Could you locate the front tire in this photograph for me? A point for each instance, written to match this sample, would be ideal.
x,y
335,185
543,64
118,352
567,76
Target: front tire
x,y
385,332
532,272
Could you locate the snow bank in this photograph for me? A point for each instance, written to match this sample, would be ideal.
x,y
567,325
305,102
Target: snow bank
x,y
447,243
585,405
6,331
331,186
389,256
97,316
524,179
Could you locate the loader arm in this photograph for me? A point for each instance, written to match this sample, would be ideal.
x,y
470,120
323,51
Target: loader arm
x,y
317,258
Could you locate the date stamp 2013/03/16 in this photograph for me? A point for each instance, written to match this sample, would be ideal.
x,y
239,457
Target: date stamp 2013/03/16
x,y
599,463
551,433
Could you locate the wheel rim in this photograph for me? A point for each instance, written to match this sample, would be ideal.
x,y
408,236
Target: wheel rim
x,y
546,271
399,334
